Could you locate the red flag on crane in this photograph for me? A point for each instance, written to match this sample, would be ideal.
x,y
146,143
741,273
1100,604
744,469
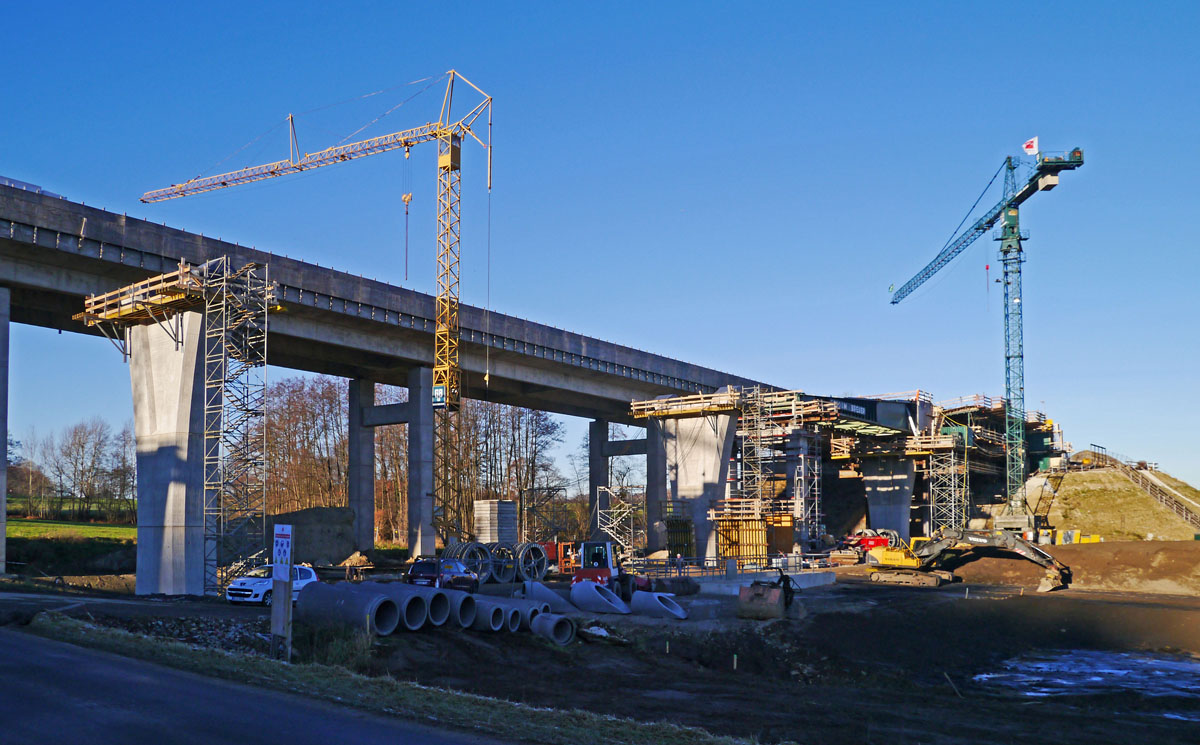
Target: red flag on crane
x,y
1031,146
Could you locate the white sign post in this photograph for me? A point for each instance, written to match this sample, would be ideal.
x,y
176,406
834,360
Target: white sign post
x,y
281,594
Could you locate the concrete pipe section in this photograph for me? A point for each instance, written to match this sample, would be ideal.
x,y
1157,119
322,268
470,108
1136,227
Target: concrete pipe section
x,y
511,614
539,592
372,612
528,609
592,597
657,604
488,617
462,607
556,628
437,603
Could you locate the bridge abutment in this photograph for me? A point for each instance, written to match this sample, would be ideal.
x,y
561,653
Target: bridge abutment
x,y
167,377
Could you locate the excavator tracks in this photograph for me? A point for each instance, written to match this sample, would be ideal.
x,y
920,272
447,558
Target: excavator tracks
x,y
910,577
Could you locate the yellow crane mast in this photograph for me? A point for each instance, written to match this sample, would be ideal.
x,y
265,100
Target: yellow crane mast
x,y
449,135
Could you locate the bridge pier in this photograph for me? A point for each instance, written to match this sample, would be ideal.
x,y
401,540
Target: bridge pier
x,y
697,469
888,483
364,416
5,312
600,449
167,378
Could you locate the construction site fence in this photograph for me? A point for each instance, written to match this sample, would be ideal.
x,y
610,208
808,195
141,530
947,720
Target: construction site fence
x,y
718,566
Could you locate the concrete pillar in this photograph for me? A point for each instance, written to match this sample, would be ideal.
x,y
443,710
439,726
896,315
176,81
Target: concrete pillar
x,y
697,468
597,473
888,483
168,414
361,486
421,538
4,318
656,486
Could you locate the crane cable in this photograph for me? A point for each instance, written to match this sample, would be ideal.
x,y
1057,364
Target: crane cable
x,y
487,308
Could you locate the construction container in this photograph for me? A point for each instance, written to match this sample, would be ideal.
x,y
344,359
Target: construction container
x,y
742,538
495,521
781,533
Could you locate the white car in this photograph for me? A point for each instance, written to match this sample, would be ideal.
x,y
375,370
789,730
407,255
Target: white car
x,y
255,585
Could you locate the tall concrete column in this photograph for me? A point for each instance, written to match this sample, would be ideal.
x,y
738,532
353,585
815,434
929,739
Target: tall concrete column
x,y
167,377
361,465
656,486
597,473
4,318
888,483
421,538
698,452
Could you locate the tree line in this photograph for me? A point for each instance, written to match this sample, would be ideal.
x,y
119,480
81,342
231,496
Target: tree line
x,y
88,471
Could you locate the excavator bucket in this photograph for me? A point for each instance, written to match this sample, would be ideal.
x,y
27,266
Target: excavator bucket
x,y
760,602
1052,580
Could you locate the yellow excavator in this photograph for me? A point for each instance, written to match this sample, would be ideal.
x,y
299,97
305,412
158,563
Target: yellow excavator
x,y
916,563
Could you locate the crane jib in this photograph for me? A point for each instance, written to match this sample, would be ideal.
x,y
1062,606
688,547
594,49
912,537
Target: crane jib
x,y
1044,178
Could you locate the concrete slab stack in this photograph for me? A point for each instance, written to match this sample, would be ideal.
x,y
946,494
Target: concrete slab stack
x,y
496,521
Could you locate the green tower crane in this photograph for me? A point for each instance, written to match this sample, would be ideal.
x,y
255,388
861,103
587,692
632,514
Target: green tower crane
x,y
1007,212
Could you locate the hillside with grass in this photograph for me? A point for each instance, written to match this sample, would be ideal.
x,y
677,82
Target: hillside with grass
x,y
1107,503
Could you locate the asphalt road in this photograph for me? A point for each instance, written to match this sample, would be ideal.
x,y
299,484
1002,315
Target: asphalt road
x,y
52,692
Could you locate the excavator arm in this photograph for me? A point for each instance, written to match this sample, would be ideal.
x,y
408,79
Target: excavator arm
x,y
956,539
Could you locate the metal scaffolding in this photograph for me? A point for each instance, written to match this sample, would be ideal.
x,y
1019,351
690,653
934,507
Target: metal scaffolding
x,y
625,519
948,501
235,357
806,487
754,482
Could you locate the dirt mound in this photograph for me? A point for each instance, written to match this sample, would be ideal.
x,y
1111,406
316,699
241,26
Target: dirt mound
x,y
1108,503
1167,567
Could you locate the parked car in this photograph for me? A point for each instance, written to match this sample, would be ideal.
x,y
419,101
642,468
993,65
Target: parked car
x,y
451,574
255,585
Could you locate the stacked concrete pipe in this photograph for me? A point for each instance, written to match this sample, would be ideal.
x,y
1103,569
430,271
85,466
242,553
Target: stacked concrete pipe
x,y
556,628
511,614
437,604
529,609
488,617
343,604
539,592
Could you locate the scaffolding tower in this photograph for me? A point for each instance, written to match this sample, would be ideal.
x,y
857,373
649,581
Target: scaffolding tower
x,y
806,486
755,484
236,301
625,519
948,500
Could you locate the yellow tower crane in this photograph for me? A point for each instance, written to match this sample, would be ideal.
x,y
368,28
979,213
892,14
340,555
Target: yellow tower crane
x,y
449,135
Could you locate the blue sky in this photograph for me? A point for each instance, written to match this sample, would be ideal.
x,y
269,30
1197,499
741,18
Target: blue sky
x,y
732,184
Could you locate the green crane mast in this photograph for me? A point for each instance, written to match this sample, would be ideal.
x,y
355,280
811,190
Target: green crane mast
x,y
1007,213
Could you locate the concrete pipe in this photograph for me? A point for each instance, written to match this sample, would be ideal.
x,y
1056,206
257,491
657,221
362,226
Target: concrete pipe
x,y
344,605
511,614
488,617
538,592
658,605
558,629
529,609
592,597
462,607
437,605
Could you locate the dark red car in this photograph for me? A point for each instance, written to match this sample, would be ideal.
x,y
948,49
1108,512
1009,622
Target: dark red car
x,y
446,573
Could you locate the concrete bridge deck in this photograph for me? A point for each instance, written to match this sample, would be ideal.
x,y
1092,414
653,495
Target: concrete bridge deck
x,y
54,252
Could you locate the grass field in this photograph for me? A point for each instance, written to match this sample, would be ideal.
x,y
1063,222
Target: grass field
x,y
24,528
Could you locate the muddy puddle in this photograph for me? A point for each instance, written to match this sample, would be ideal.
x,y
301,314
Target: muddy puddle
x,y
1172,679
